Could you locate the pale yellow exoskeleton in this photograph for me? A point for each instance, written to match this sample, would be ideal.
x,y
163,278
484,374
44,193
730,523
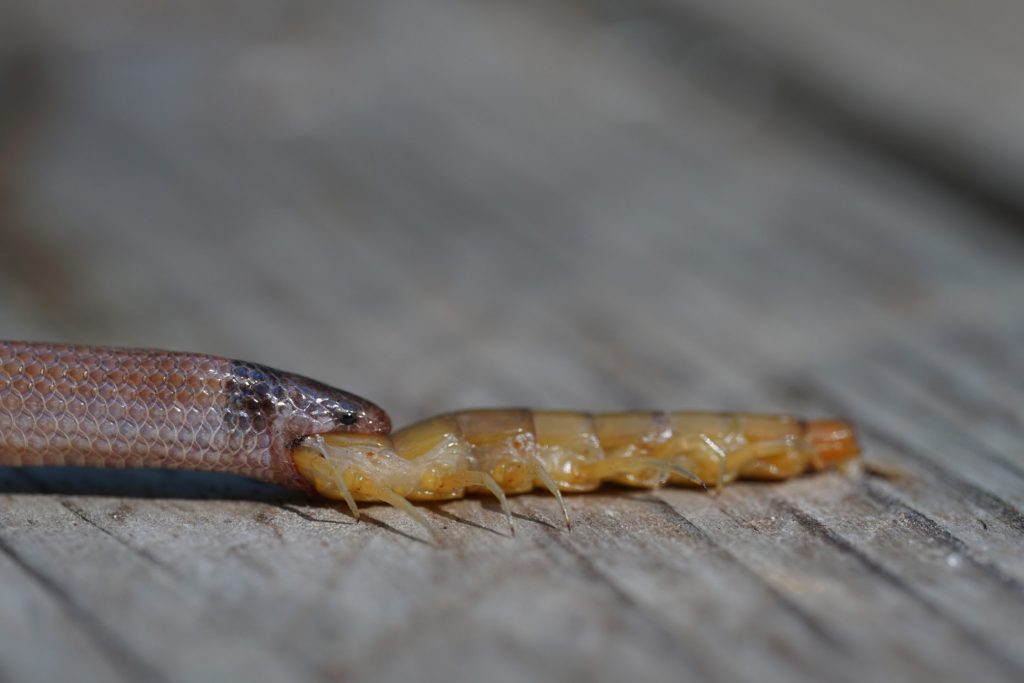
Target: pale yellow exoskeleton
x,y
516,450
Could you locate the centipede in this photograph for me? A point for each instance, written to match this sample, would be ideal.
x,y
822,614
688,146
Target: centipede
x,y
90,406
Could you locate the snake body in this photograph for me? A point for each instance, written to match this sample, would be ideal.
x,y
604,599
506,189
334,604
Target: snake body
x,y
109,407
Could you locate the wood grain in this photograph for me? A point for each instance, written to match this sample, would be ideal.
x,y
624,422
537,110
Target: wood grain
x,y
597,206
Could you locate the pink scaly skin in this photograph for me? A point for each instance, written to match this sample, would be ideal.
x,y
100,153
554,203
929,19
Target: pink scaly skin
x,y
108,407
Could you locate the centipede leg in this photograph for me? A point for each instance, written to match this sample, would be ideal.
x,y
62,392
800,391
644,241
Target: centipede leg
x,y
346,493
552,486
612,467
720,456
386,495
473,478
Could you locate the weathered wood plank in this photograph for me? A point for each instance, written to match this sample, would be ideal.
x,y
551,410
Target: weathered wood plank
x,y
476,204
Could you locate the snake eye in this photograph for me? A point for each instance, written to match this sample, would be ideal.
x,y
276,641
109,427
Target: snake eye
x,y
347,418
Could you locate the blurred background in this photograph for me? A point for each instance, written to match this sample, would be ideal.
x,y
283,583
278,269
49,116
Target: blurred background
x,y
788,205
584,204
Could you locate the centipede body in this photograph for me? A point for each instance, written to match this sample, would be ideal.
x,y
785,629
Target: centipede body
x,y
516,450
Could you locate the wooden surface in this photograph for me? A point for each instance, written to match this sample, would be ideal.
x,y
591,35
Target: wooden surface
x,y
598,206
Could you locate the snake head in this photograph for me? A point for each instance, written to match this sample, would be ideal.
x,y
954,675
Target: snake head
x,y
291,407
313,408
284,408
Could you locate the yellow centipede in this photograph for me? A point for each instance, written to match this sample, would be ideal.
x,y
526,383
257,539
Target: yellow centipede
x,y
508,451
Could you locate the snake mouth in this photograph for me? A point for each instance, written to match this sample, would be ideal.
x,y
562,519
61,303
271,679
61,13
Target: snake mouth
x,y
833,440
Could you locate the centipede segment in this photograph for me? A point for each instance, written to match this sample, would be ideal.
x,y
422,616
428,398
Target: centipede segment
x,y
517,450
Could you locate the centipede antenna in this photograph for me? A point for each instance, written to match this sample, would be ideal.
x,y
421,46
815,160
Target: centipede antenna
x,y
339,481
551,486
386,495
721,455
